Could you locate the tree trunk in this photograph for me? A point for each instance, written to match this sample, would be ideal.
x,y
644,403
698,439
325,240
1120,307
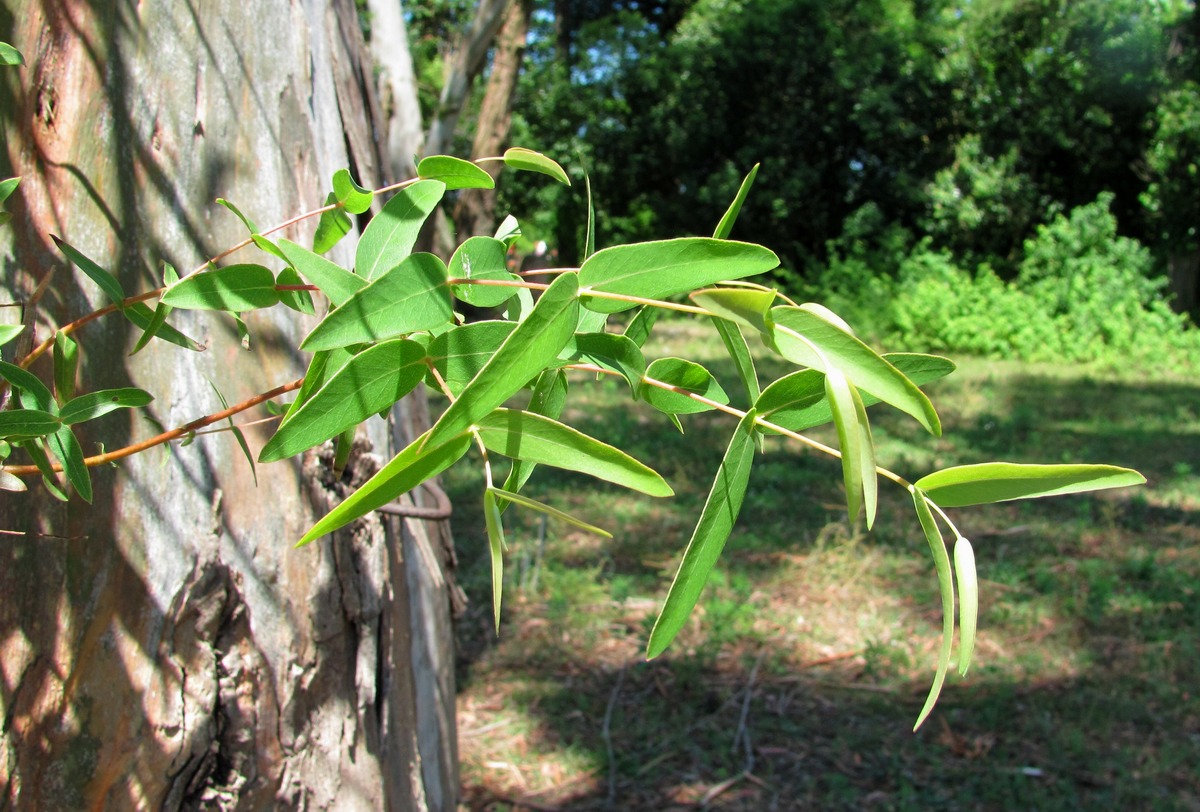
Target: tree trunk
x,y
1184,275
165,647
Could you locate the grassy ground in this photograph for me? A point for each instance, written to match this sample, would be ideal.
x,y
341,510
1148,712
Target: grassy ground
x,y
796,684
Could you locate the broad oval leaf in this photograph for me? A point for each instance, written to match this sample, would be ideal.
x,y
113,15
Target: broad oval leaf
x,y
458,354
390,236
530,161
941,562
24,424
530,437
354,198
655,270
296,299
1004,481
708,539
333,225
482,258
234,288
337,283
454,172
411,296
615,353
367,384
683,376
95,404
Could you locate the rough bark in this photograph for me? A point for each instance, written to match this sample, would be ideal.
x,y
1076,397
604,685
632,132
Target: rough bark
x,y
165,647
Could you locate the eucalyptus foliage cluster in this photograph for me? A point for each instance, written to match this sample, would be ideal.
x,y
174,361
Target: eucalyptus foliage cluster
x,y
391,324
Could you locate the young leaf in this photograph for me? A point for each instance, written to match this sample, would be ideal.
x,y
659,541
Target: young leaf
x,y
482,258
391,234
354,198
941,562
797,330
530,161
24,424
10,55
409,297
405,471
533,438
106,281
335,282
368,383
454,172
298,300
968,601
7,187
495,531
459,353
333,225
9,331
708,539
66,365
95,404
846,406
610,351
234,288
686,376
654,270
735,208
533,346
1004,481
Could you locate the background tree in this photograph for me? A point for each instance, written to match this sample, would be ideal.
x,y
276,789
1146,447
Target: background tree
x,y
164,647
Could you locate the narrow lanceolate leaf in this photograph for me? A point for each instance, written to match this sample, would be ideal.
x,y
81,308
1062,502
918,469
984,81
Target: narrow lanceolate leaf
x,y
530,437
234,288
392,233
37,452
458,354
654,270
532,347
548,399
846,408
157,320
64,445
142,316
95,404
34,394
748,307
333,225
405,471
354,198
1004,481
9,331
482,258
454,172
25,424
684,377
409,297
337,283
298,300
106,281
66,364
589,237
237,434
968,601
552,512
610,351
941,562
495,532
798,330
739,353
641,325
367,384
530,161
246,221
731,214
708,539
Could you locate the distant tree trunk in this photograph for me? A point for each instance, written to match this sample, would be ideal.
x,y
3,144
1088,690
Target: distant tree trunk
x,y
165,647
475,212
397,86
1184,274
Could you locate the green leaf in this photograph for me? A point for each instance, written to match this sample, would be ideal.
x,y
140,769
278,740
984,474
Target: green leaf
x,y
708,539
267,246
66,365
508,231
337,283
409,297
554,513
655,270
391,234
354,198
459,353
64,445
34,394
105,280
548,399
7,187
367,384
610,351
10,331
237,432
684,375
1004,481
298,300
641,325
530,161
482,258
246,221
333,225
234,288
140,314
748,307
798,330
10,55
320,369
854,441
735,208
530,437
408,469
533,346
159,317
454,172
25,424
739,353
968,601
37,453
495,532
95,404
941,562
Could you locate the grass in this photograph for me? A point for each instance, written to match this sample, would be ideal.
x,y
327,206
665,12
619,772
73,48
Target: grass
x,y
796,683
